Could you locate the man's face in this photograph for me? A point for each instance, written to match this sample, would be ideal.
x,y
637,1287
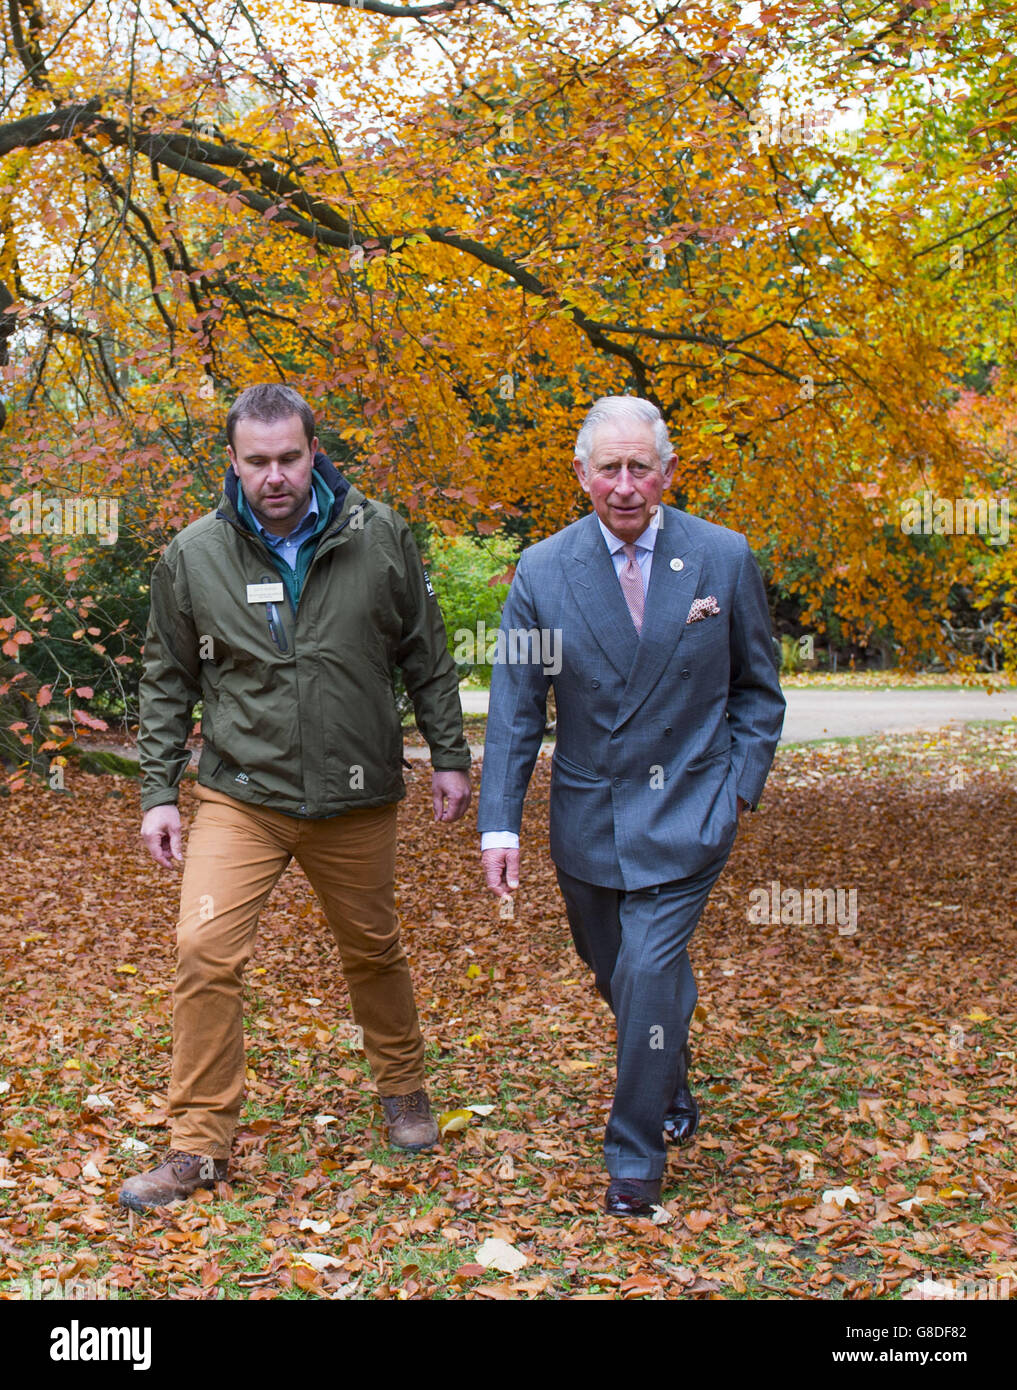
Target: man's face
x,y
273,462
625,479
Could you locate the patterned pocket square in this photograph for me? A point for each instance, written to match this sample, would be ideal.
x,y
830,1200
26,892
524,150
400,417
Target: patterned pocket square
x,y
702,608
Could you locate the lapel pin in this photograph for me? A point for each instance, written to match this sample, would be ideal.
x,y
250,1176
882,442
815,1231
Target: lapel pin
x,y
677,564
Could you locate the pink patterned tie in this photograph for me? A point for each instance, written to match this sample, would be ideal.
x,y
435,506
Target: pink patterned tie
x,y
632,585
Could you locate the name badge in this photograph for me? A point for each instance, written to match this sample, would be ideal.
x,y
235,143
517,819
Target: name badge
x,y
265,593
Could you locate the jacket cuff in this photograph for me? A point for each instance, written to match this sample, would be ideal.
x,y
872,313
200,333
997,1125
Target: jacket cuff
x,y
451,762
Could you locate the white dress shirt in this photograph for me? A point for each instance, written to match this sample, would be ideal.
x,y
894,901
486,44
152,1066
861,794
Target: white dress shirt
x,y
508,839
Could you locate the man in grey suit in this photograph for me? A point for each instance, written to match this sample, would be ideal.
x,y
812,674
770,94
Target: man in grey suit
x,y
668,714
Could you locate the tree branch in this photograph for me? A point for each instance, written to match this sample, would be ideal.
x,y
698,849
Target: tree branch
x,y
415,11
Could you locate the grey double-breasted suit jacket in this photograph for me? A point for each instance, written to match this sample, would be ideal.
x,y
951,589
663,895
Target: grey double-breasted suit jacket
x,y
658,734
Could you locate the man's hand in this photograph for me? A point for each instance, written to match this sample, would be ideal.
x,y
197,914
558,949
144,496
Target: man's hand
x,y
451,792
743,805
160,830
501,870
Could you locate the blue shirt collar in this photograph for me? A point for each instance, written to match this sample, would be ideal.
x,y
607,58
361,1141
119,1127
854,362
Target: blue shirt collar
x,y
303,528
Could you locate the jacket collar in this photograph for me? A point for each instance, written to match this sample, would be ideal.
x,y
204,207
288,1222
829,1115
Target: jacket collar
x,y
590,573
229,503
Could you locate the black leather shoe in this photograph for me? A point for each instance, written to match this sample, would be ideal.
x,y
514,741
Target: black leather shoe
x,y
632,1196
682,1118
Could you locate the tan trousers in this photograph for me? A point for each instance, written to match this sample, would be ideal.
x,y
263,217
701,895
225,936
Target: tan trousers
x,y
235,855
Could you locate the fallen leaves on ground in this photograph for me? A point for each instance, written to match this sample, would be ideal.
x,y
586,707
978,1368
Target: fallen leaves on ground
x,y
857,1136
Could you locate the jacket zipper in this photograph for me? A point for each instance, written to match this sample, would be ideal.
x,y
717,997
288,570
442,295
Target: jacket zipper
x,y
263,552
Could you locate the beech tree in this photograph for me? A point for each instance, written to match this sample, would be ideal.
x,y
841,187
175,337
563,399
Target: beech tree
x,y
453,225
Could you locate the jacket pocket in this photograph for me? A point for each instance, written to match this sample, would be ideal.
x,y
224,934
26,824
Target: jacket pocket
x,y
209,709
708,758
569,766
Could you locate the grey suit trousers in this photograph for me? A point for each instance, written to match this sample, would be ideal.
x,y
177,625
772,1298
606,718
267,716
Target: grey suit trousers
x,y
636,944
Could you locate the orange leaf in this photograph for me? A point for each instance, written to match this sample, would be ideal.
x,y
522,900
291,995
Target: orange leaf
x,y
698,1220
307,1279
951,1139
89,720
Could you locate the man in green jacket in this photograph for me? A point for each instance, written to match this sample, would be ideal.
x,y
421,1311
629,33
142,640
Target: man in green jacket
x,y
286,612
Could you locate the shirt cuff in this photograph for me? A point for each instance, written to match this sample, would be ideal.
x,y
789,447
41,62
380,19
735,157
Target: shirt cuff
x,y
499,839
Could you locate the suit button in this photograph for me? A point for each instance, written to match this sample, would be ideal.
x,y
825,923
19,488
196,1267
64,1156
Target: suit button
x,y
668,729
617,781
685,675
595,684
615,736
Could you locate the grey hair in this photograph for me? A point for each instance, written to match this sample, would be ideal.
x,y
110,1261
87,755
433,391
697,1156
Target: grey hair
x,y
609,409
269,402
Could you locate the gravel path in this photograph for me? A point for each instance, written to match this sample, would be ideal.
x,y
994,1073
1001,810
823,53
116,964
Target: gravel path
x,y
813,715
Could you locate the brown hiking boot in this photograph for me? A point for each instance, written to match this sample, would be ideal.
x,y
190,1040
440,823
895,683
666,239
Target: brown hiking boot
x,y
410,1122
176,1177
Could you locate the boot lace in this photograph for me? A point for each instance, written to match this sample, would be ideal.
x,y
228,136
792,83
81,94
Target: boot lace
x,y
179,1161
413,1104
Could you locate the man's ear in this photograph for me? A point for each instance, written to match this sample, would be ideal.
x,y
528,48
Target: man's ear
x,y
580,468
233,459
314,449
668,468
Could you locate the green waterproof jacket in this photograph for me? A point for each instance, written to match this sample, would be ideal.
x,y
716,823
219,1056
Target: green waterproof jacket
x,y
299,712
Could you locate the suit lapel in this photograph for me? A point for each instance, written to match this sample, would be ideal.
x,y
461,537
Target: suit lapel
x,y
589,570
668,600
